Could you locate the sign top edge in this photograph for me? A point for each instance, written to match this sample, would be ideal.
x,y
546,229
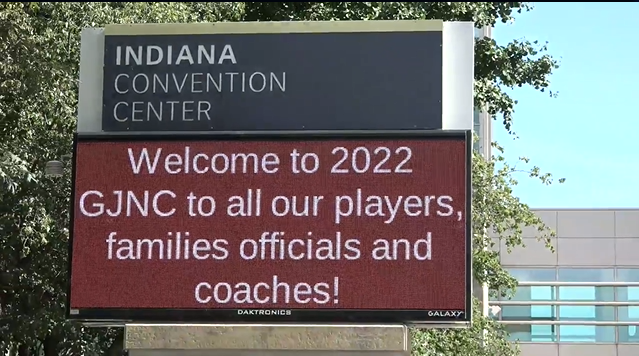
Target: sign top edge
x,y
275,27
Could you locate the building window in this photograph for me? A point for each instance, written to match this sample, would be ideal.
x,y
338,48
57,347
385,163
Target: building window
x,y
574,313
586,333
628,334
477,130
532,333
478,125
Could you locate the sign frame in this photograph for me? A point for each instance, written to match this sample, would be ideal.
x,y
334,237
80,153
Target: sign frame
x,y
457,63
418,318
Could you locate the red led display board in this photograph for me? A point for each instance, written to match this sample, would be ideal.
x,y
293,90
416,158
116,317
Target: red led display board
x,y
342,227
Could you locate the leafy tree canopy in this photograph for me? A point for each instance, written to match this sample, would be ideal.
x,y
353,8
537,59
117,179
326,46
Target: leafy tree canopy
x,y
38,100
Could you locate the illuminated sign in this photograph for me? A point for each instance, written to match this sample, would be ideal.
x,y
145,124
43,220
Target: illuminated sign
x,y
364,227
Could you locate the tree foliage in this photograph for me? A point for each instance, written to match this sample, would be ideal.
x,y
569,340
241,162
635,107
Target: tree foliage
x,y
38,101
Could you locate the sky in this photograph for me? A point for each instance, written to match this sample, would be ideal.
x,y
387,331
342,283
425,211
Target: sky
x,y
588,133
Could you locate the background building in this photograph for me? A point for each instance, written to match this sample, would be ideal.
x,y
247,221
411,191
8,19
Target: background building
x,y
586,292
581,300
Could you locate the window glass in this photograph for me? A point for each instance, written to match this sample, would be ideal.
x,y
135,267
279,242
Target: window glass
x,y
628,274
476,121
532,333
575,313
628,334
477,146
599,294
477,129
586,313
586,275
586,333
586,293
533,274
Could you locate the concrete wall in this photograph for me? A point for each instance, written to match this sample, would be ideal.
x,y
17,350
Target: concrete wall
x,y
601,238
266,340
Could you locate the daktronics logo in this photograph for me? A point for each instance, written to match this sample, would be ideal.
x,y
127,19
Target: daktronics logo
x,y
263,312
271,226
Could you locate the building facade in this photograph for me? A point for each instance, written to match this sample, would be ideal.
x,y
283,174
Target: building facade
x,y
583,299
